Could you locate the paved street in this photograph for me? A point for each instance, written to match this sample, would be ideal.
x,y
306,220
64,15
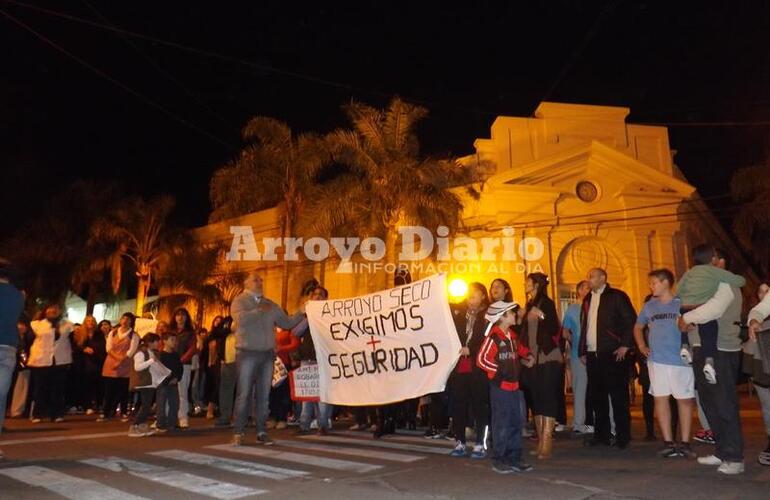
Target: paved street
x,y
81,459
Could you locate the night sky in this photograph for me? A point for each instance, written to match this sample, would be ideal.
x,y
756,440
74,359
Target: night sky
x,y
670,62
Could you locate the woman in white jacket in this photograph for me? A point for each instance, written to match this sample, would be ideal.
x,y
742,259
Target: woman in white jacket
x,y
50,358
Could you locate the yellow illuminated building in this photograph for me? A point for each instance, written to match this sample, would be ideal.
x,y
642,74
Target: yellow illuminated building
x,y
594,190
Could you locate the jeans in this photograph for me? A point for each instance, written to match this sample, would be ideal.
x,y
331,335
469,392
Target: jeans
x,y
7,365
321,411
184,394
227,378
579,386
764,400
199,387
20,394
704,422
146,396
609,378
255,372
720,403
506,425
168,405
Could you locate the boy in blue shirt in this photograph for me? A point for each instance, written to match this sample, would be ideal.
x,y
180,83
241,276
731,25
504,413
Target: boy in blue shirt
x,y
669,375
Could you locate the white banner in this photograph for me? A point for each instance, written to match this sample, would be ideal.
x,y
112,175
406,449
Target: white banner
x,y
384,347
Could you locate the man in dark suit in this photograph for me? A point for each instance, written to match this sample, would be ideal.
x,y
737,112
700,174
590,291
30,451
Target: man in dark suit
x,y
607,318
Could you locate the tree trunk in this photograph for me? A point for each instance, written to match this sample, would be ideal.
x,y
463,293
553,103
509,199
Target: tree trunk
x,y
390,258
91,299
287,229
142,289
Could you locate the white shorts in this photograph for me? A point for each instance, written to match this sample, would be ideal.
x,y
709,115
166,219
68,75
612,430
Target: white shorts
x,y
670,380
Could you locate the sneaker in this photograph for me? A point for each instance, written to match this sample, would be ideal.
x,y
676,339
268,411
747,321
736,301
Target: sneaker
x,y
521,467
237,440
459,450
731,468
432,434
58,420
704,436
102,418
135,432
37,420
710,373
685,451
764,457
270,424
264,439
90,412
292,422
281,425
359,427
501,468
588,429
560,428
478,452
710,460
669,450
184,424
526,432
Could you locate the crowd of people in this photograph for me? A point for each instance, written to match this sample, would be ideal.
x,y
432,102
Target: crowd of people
x,y
686,345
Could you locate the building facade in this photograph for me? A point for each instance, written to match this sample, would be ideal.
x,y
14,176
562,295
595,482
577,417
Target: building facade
x,y
579,186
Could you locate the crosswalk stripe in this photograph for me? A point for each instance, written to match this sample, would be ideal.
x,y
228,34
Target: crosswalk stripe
x,y
401,437
72,487
287,456
53,439
231,465
174,478
359,452
377,443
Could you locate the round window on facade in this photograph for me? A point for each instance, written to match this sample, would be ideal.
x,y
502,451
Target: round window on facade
x,y
587,191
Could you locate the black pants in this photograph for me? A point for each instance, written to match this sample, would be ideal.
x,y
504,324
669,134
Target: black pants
x,y
145,396
608,378
50,384
648,400
280,402
115,393
93,391
720,402
469,390
438,410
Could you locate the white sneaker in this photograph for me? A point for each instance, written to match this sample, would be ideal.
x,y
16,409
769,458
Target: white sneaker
x,y
314,424
588,429
90,412
731,468
710,460
560,428
710,373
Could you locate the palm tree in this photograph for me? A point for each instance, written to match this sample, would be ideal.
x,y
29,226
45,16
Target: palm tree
x,y
138,231
750,187
388,182
274,168
198,274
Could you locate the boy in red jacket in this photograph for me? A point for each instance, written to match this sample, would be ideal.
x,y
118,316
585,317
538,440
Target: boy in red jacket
x,y
501,356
